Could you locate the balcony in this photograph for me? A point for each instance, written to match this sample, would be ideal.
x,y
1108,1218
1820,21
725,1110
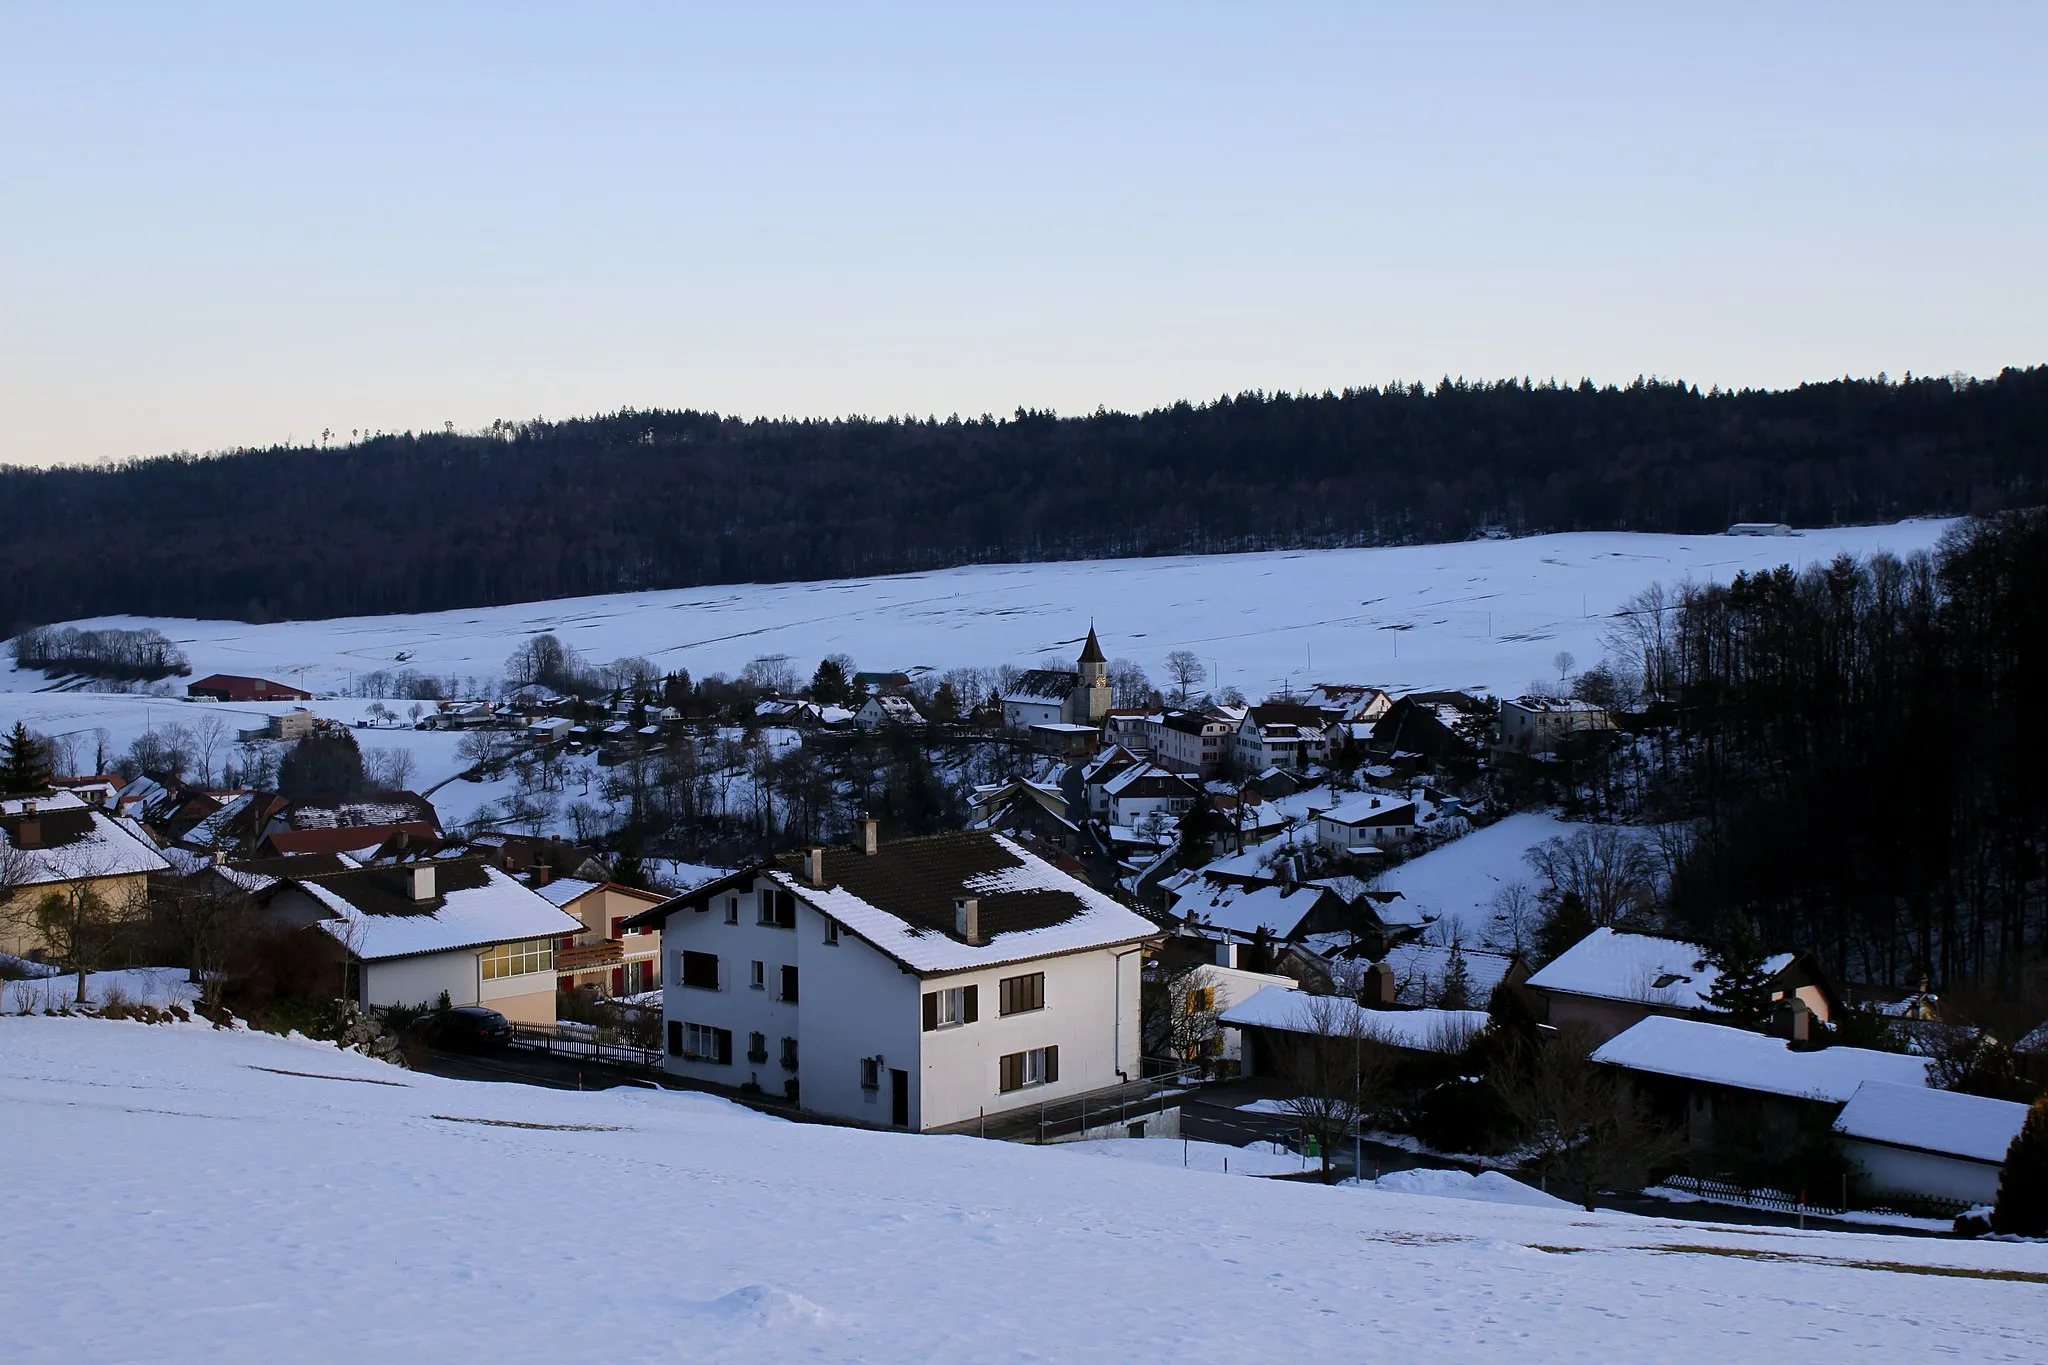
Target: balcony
x,y
583,957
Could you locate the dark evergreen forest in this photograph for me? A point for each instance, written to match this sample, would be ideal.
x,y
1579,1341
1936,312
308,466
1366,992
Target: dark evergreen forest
x,y
634,500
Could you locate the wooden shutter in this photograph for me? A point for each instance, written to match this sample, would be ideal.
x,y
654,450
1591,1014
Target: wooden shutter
x,y
1052,1064
1012,1069
724,1041
675,1037
970,1004
931,1011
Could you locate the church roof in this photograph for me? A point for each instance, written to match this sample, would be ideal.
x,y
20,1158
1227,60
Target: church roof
x,y
1091,653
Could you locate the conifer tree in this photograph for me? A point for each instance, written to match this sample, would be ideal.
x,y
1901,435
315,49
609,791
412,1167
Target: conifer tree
x,y
1567,924
1742,988
1456,993
26,764
2022,1207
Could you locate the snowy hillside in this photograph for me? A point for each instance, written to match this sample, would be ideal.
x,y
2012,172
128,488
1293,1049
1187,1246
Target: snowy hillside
x,y
1485,615
197,1195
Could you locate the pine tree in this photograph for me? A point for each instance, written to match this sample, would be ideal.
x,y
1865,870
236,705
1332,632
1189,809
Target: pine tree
x,y
829,683
26,766
1565,926
1742,988
2022,1206
1456,993
627,870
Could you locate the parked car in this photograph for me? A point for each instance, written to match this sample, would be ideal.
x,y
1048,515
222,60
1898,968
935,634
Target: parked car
x,y
467,1028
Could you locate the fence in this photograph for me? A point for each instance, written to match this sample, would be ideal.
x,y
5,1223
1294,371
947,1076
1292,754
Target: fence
x,y
1919,1206
585,1044
1119,1104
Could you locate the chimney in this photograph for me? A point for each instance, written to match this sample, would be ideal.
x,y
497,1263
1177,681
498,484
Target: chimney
x,y
967,919
1379,987
421,878
29,833
870,834
542,874
814,867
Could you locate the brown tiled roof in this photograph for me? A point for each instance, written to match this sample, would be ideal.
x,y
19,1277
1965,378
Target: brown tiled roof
x,y
343,839
60,827
917,880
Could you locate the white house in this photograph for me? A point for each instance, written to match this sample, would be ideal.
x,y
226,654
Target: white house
x,y
1609,980
1535,725
408,933
1050,696
1908,1139
917,984
1354,703
1369,822
549,729
1282,735
1144,789
886,709
1192,741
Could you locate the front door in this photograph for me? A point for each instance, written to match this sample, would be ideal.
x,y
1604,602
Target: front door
x,y
899,1098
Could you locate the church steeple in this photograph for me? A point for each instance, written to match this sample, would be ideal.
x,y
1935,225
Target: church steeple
x,y
1091,653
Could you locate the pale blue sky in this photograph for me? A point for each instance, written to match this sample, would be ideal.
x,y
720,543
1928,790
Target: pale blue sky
x,y
231,224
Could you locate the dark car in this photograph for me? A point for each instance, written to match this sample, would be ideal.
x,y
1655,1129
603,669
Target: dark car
x,y
467,1028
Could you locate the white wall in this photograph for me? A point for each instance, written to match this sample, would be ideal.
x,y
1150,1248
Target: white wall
x,y
1022,715
735,1005
1234,986
420,980
1894,1170
857,1002
1091,1014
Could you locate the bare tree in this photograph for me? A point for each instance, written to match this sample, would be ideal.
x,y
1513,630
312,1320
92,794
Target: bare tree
x,y
1607,866
205,920
1516,916
1581,1122
1185,670
1563,662
1340,1069
1181,1018
208,737
1128,685
390,769
483,747
75,919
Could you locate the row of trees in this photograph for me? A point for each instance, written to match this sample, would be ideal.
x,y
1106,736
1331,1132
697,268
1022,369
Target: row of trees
x,y
666,499
135,655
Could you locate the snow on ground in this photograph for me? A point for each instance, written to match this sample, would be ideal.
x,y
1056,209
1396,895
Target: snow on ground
x,y
1489,1187
201,1195
1217,1158
1458,880
158,986
1484,614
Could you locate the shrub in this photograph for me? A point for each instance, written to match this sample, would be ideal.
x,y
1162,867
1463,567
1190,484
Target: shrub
x,y
2022,1206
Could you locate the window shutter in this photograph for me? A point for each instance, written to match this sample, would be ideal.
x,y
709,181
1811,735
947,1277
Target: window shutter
x,y
1012,1071
931,1011
675,1037
724,1036
1052,1064
970,1004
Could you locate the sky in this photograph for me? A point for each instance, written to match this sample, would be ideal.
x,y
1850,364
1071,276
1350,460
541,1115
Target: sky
x,y
237,225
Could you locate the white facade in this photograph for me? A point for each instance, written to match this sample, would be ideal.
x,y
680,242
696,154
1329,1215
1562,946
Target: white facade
x,y
1369,822
857,1027
1021,713
1901,1170
1195,744
1535,725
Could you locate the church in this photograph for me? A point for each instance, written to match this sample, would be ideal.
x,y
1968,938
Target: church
x,y
1052,696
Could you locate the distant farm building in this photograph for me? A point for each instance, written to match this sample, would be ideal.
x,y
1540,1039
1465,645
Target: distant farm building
x,y
233,687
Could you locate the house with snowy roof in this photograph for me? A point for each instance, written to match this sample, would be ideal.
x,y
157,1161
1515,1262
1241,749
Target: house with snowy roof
x,y
1609,980
1193,741
885,710
1368,824
1146,789
1286,735
1538,725
1419,973
1939,1144
1270,1020
917,984
1351,702
59,846
1025,809
408,934
1715,1082
607,958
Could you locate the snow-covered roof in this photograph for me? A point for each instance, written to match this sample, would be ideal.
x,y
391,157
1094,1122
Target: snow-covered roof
x,y
901,898
562,890
1373,808
1719,1055
1420,968
1043,686
1246,909
1295,1011
1147,772
72,842
371,911
1643,968
1929,1120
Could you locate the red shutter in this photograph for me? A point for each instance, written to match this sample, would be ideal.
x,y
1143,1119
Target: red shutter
x,y
931,1011
618,981
970,1004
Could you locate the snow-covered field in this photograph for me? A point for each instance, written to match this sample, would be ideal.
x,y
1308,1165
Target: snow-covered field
x,y
1487,615
1458,881
181,1194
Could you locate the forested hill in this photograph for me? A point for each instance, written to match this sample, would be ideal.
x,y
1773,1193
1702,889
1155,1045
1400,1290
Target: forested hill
x,y
668,499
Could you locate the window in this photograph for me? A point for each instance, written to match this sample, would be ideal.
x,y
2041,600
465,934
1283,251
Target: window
x,y
700,971
1040,1066
789,1054
732,909
703,1043
518,959
1201,999
831,932
758,977
951,1008
1021,994
871,1073
789,985
757,1047
778,910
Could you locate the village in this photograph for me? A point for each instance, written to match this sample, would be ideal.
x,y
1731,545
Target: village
x,y
1376,932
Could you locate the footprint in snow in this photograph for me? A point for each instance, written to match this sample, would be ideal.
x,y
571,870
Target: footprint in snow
x,y
761,1305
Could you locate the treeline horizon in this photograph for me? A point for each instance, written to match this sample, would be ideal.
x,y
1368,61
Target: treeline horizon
x,y
637,500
